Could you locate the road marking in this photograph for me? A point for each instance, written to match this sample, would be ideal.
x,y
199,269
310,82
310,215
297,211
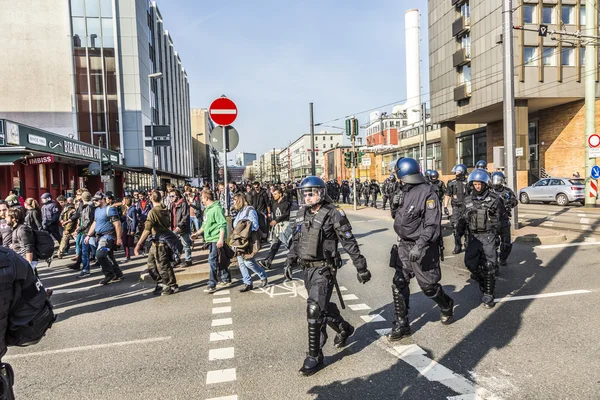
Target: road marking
x,y
221,300
90,347
234,397
563,245
359,307
585,221
221,354
221,322
217,336
343,289
220,375
383,332
221,293
449,256
581,215
372,318
540,296
221,310
62,291
349,297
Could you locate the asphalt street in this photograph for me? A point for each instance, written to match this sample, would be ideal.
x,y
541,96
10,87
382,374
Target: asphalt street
x,y
121,342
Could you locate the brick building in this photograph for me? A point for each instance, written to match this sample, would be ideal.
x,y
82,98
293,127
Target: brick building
x,y
465,54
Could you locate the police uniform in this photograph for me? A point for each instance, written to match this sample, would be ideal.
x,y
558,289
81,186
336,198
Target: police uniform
x,y
510,201
417,223
396,197
375,190
440,188
457,191
314,248
482,217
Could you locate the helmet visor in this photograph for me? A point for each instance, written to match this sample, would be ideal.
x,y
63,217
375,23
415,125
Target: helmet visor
x,y
497,181
310,196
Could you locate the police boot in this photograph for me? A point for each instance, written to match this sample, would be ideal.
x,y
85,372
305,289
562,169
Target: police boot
x,y
343,333
446,305
489,284
457,244
314,358
401,328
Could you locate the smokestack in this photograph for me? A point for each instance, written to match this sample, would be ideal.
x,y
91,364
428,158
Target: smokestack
x,y
413,65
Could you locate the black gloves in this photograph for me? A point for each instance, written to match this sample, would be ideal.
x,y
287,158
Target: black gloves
x,y
363,276
446,211
415,254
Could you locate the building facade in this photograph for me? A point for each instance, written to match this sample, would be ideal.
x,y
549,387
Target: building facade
x,y
465,54
206,160
296,158
243,159
89,72
383,129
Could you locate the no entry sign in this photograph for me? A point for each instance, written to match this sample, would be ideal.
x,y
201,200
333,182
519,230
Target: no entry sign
x,y
594,140
223,111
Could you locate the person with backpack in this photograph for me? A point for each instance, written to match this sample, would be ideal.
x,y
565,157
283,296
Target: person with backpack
x,y
159,255
50,216
27,310
180,223
33,214
23,241
106,228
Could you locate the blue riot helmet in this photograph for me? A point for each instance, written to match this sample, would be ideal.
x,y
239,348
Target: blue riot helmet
x,y
479,175
481,164
408,170
392,178
434,176
498,180
460,170
427,174
312,191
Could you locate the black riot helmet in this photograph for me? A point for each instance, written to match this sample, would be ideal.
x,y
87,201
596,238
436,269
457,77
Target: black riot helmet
x,y
434,175
481,164
408,170
312,191
498,180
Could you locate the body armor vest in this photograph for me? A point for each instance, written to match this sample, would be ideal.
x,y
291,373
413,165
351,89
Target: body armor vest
x,y
479,218
311,232
459,193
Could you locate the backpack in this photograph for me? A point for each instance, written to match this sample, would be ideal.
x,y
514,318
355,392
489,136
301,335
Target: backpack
x,y
30,314
44,245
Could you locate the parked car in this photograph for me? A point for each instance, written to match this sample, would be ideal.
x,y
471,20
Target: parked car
x,y
561,190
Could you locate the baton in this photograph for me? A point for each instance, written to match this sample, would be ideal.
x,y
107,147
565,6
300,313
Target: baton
x,y
337,289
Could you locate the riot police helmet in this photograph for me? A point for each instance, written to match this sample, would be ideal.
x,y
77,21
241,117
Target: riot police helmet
x,y
312,191
434,175
479,175
392,178
481,164
408,170
498,180
460,170
427,174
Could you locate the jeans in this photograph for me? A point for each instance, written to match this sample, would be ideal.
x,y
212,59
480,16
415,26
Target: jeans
x,y
187,245
214,267
275,244
250,264
79,243
194,223
86,249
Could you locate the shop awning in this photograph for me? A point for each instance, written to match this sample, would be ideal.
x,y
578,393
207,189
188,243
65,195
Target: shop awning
x,y
9,159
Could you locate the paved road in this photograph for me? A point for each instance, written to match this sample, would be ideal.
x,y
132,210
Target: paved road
x,y
120,342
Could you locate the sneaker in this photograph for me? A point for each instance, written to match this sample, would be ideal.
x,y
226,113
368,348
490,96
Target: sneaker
x,y
503,263
127,259
246,288
82,274
167,291
210,290
263,283
117,279
75,266
188,263
175,288
224,284
106,280
157,290
74,258
266,264
120,275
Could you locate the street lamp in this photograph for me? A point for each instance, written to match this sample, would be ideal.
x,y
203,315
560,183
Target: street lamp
x,y
156,75
198,140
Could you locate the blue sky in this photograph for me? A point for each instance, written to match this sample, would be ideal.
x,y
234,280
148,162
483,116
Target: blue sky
x,y
273,57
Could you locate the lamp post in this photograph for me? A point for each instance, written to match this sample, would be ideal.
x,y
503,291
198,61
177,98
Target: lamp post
x,y
156,75
198,140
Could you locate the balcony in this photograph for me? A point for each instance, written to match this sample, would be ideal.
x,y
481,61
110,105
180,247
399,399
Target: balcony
x,y
462,92
461,57
460,26
457,2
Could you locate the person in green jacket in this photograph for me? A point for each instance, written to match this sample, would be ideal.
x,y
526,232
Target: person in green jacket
x,y
214,227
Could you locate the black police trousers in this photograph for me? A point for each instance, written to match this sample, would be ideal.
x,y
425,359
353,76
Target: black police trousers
x,y
385,200
318,282
505,240
374,200
480,252
426,270
106,257
458,224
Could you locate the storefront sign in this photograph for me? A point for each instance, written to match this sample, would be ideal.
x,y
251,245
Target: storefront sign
x,y
12,134
40,160
34,139
79,149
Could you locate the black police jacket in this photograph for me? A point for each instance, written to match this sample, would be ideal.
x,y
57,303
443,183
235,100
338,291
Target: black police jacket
x,y
419,217
457,190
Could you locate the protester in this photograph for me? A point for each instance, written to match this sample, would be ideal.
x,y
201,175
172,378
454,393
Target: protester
x,y
128,226
180,222
279,221
23,241
33,214
67,225
88,249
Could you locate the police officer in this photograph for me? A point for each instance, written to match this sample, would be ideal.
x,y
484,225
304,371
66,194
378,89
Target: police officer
x,y
385,194
417,224
482,214
374,190
455,195
345,189
319,227
510,201
481,164
438,186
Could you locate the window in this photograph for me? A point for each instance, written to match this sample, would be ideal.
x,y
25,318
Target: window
x,y
331,146
108,39
316,138
77,9
323,137
582,15
582,56
330,137
42,175
79,38
567,57
568,15
464,76
465,43
530,56
556,182
466,150
543,182
106,8
548,56
465,12
91,8
529,14
548,15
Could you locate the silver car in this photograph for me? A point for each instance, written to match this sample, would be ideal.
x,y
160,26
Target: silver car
x,y
561,190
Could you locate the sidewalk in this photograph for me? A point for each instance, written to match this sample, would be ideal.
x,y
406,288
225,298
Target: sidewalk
x,y
526,234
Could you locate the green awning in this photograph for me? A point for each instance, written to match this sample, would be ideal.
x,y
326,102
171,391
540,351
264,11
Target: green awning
x,y
9,159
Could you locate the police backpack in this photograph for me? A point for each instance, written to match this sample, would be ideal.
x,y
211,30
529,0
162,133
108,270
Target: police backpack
x,y
44,245
30,314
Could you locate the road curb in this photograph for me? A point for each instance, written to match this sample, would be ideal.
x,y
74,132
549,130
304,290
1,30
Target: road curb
x,y
541,239
186,276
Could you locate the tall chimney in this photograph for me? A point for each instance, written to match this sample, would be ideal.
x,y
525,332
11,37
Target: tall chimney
x,y
413,65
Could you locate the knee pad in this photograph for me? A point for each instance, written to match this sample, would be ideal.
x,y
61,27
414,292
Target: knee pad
x,y
430,290
489,267
313,312
398,284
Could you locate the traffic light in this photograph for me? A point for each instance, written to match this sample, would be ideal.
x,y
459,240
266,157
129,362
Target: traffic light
x,y
349,127
107,168
359,156
355,127
348,159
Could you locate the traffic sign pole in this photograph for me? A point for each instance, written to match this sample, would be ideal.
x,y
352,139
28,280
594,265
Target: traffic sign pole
x,y
225,145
